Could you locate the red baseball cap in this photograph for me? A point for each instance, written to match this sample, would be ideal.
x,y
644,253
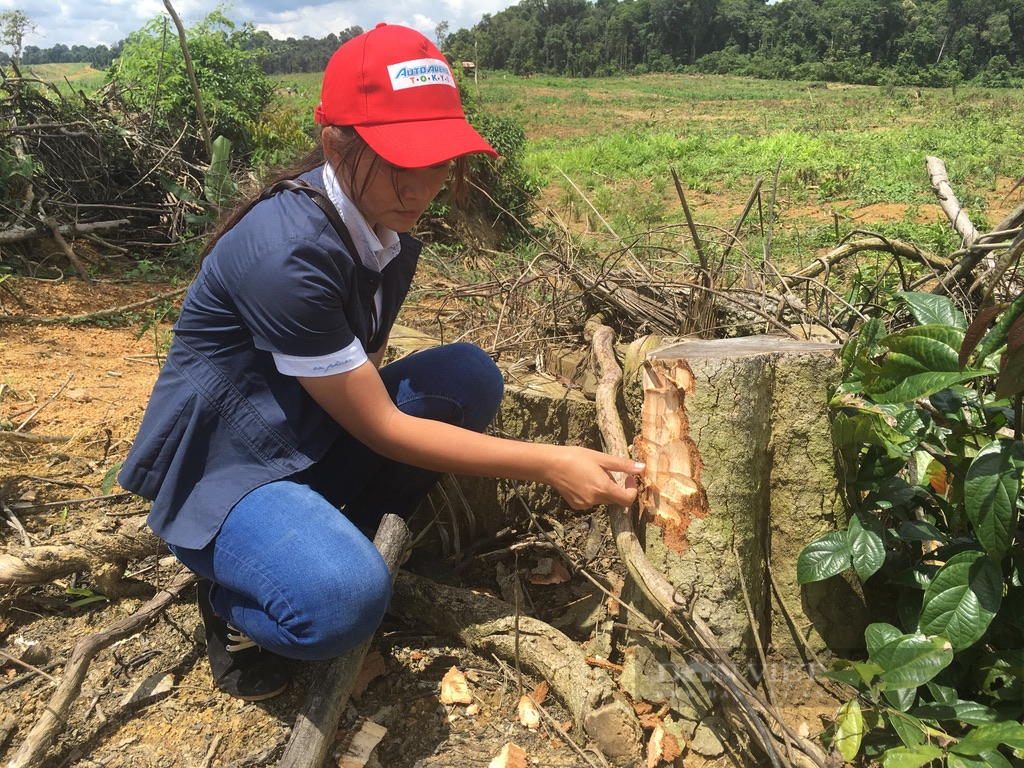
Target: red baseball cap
x,y
395,88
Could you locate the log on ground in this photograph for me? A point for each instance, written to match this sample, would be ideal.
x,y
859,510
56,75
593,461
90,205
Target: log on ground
x,y
488,626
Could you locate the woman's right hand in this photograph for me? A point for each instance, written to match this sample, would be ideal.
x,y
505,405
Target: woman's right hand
x,y
585,477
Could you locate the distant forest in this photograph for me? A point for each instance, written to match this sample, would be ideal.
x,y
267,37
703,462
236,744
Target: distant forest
x,y
914,42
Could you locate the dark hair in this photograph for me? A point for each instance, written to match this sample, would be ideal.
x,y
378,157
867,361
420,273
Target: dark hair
x,y
350,147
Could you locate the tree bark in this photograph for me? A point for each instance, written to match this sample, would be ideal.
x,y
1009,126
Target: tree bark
x,y
105,553
741,474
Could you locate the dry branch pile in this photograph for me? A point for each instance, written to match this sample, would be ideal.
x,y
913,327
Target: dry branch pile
x,y
83,166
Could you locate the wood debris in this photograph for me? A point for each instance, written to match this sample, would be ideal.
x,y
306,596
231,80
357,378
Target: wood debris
x,y
510,756
455,688
360,747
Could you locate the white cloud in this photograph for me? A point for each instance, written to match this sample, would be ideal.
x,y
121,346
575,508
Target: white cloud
x,y
92,22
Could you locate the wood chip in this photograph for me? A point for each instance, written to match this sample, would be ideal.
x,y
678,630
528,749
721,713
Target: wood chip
x,y
455,688
149,690
540,692
549,571
655,748
529,714
361,745
510,756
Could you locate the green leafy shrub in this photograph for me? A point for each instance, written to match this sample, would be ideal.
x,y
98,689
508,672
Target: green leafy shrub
x,y
151,75
928,419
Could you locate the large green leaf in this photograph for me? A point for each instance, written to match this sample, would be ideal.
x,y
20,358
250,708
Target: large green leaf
x,y
824,557
867,544
869,427
849,729
911,757
996,337
1001,674
962,599
916,363
987,759
879,634
970,712
989,737
991,489
910,730
933,309
912,660
901,699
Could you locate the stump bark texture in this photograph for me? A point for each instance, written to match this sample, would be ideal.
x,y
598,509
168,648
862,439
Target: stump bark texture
x,y
741,475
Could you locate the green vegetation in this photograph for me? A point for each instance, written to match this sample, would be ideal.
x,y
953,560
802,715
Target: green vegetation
x,y
928,43
929,421
838,150
152,76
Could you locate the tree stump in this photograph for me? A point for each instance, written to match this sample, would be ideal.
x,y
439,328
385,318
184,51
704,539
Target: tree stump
x,y
741,475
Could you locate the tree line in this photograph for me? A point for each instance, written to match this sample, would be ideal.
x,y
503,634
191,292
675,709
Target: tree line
x,y
917,42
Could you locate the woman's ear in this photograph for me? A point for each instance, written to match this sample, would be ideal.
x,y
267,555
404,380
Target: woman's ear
x,y
328,135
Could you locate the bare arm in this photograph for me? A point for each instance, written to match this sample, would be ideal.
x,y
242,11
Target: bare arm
x,y
359,402
378,357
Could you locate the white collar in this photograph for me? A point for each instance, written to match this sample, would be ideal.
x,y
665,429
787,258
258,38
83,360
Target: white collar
x,y
376,249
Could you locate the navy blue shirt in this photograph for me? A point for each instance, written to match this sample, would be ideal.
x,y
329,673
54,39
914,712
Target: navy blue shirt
x,y
222,420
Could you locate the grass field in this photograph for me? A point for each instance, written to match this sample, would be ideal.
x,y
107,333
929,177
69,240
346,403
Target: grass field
x,y
834,158
847,156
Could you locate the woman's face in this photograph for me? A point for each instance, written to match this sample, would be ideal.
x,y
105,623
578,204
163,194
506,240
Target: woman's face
x,y
388,195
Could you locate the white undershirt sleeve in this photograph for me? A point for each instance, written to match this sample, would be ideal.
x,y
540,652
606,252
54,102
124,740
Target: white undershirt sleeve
x,y
347,359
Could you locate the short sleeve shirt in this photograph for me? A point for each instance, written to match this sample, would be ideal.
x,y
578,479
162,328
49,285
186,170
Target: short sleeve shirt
x,y
278,296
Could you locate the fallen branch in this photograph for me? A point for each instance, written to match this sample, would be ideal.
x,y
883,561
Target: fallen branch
x,y
105,554
328,695
948,200
57,710
488,626
20,234
53,397
28,437
876,243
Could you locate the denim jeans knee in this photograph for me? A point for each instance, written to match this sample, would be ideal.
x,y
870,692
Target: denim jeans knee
x,y
294,573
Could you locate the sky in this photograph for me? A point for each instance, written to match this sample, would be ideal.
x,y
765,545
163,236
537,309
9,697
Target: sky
x,y
91,22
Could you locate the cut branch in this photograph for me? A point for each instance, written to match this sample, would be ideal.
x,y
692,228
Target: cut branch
x,y
57,710
488,625
948,200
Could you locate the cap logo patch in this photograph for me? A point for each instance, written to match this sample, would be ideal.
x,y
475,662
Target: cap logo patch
x,y
412,74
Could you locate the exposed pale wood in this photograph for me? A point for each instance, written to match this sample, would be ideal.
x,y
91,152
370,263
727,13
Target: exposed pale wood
x,y
56,713
948,200
315,727
488,625
763,720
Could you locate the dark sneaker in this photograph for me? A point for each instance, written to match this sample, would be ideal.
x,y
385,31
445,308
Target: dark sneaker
x,y
240,667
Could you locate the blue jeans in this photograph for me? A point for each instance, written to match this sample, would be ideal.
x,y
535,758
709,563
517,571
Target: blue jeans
x,y
297,575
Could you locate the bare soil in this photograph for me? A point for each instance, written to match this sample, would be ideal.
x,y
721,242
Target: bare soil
x,y
90,383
